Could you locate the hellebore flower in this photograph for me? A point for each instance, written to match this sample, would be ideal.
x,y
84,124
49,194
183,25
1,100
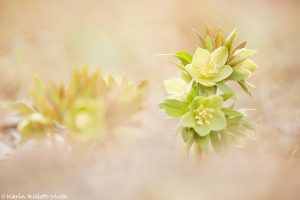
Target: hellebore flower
x,y
205,115
209,68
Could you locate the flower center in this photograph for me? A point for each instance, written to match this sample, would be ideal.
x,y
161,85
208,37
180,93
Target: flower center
x,y
203,114
83,120
208,71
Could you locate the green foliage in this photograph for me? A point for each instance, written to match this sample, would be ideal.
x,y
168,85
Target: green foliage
x,y
198,96
86,108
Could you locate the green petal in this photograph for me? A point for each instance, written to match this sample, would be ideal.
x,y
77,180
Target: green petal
x,y
205,82
175,86
208,44
215,102
188,120
184,57
197,101
174,108
223,73
220,55
250,65
240,56
188,135
202,130
193,70
230,39
218,121
239,73
201,57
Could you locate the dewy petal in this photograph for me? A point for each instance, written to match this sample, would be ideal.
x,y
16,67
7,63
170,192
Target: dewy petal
x,y
197,101
219,56
223,73
201,57
218,121
175,86
188,120
215,102
202,130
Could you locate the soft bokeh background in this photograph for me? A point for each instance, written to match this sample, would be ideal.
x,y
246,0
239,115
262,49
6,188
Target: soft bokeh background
x,y
49,37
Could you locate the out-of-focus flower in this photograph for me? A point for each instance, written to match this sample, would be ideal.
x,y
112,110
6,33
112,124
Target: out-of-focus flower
x,y
83,107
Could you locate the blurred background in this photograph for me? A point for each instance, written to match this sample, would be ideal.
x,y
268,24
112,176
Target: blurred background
x,y
49,37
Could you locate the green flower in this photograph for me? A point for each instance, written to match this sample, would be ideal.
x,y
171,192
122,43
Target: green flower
x,y
205,115
209,68
85,119
34,126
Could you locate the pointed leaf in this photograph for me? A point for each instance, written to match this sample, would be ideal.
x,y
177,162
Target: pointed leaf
x,y
184,57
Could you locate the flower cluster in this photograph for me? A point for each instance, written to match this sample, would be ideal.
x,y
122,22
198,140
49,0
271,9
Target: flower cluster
x,y
198,96
86,108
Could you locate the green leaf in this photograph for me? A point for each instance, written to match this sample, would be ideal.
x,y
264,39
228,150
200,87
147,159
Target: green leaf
x,y
174,108
219,39
226,140
181,68
206,91
202,144
228,93
240,56
185,76
191,92
187,135
184,57
239,73
249,65
208,44
230,39
39,87
22,108
230,113
216,141
245,87
240,46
